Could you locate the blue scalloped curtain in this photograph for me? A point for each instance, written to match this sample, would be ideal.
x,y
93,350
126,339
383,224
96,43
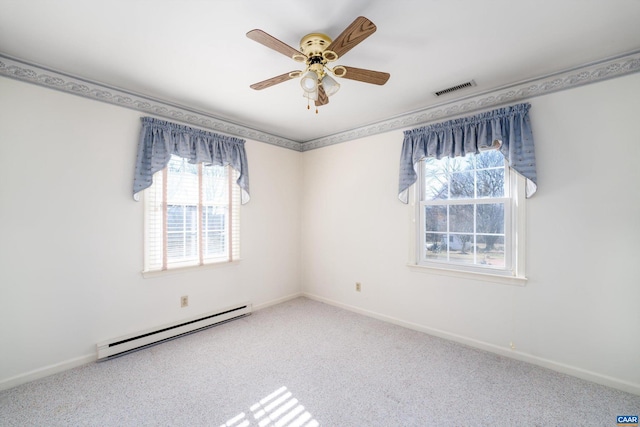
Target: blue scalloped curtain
x,y
510,127
160,139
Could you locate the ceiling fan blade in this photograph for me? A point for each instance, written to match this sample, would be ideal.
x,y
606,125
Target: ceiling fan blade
x,y
273,81
272,43
366,76
355,33
323,99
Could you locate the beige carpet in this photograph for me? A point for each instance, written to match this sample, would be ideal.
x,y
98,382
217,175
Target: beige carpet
x,y
304,363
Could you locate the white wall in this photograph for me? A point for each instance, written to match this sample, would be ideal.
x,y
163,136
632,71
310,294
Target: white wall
x,y
579,311
71,234
71,238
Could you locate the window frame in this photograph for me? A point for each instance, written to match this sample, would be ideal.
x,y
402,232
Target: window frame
x,y
515,227
157,230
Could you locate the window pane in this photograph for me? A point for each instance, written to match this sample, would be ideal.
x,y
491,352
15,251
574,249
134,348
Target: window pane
x,y
191,245
175,245
215,185
461,218
182,246
181,218
215,243
435,246
182,238
489,159
175,218
459,164
190,218
491,251
490,182
178,165
182,182
436,185
461,248
435,218
214,223
214,217
490,218
462,185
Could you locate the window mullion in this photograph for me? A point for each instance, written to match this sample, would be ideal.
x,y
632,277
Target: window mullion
x,y
185,230
486,200
200,230
165,220
229,213
475,234
448,246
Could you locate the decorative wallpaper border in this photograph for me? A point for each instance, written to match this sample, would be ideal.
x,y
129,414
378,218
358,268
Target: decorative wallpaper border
x,y
30,73
589,73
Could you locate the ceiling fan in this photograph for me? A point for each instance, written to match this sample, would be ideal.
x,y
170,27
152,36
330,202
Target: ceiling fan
x,y
316,51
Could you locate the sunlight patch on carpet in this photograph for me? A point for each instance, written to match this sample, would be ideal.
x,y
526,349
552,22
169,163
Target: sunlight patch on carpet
x,y
278,409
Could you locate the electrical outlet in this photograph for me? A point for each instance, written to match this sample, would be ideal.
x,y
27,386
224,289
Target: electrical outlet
x,y
184,301
358,287
512,345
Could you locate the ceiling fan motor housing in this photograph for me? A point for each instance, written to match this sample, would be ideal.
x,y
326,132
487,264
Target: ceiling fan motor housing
x,y
314,44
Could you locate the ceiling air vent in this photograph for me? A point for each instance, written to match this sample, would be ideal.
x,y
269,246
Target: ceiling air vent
x,y
455,88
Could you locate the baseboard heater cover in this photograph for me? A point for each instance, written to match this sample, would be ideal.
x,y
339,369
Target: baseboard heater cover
x,y
132,342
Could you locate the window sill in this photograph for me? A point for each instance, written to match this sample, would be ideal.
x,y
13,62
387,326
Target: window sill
x,y
181,270
472,275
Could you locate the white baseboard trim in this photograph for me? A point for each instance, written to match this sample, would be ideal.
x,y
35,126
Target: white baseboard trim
x,y
514,354
507,352
36,374
39,373
277,301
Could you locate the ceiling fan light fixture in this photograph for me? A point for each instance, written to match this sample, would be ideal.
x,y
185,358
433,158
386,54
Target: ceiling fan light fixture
x,y
312,96
316,51
309,81
330,85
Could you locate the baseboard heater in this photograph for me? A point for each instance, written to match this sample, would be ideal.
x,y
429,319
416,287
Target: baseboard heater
x,y
126,344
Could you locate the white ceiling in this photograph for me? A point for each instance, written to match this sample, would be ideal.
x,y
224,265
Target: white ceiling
x,y
194,53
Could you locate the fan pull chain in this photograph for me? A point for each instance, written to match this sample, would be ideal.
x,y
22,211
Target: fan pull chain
x,y
309,105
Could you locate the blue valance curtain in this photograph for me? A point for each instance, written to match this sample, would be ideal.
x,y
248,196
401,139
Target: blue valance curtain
x,y
509,125
160,139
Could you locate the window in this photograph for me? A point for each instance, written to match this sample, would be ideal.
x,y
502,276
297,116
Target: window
x,y
191,216
470,214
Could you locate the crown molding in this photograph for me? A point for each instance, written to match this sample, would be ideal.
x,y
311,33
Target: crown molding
x,y
590,73
594,72
39,75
